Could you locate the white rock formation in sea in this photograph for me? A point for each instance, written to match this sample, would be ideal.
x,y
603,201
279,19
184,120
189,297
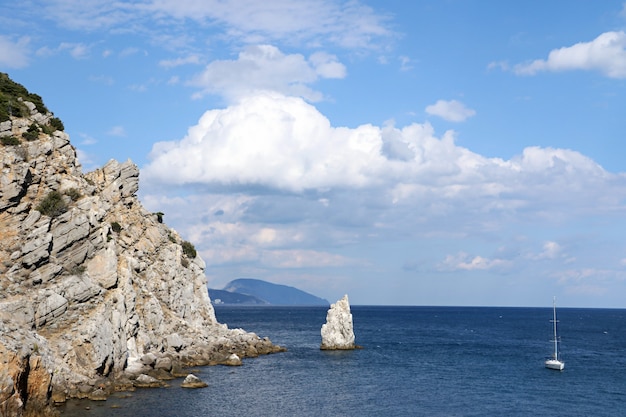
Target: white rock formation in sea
x,y
94,289
338,331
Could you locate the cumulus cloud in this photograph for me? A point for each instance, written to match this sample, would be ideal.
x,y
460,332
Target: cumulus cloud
x,y
270,140
265,67
268,183
13,54
606,54
463,261
452,110
279,142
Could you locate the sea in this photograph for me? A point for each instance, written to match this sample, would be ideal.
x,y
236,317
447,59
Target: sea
x,y
413,361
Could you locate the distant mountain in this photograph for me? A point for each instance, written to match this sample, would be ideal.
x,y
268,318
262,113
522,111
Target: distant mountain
x,y
227,297
259,292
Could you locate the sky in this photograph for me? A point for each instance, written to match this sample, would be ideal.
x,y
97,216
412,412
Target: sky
x,y
432,152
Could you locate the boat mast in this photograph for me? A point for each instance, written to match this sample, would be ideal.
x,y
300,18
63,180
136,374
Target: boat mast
x,y
556,346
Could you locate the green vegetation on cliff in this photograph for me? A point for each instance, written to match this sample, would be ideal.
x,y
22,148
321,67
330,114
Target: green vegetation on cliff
x,y
10,105
12,98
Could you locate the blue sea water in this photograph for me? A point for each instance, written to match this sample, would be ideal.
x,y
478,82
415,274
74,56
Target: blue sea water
x,y
415,361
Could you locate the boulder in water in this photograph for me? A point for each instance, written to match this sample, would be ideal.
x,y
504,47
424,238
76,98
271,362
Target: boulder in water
x,y
192,381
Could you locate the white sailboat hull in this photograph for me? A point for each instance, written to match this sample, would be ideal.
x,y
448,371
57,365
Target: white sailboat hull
x,y
555,364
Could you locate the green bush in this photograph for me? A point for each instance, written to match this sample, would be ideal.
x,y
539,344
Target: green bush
x,y
189,250
159,216
32,133
57,124
10,141
10,93
73,193
37,101
52,205
115,226
77,270
9,107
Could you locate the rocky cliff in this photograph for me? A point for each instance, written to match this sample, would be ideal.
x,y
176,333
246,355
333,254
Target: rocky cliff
x,y
95,291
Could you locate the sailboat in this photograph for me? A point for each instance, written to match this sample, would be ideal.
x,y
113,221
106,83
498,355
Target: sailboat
x,y
554,362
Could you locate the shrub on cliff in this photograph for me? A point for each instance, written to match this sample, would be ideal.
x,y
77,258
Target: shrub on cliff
x,y
10,141
56,124
73,193
52,205
32,133
189,250
10,93
116,227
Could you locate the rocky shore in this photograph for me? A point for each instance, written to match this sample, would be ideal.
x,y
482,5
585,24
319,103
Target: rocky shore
x,y
96,294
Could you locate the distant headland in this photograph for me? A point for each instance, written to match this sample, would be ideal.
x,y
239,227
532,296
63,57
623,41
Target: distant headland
x,y
249,291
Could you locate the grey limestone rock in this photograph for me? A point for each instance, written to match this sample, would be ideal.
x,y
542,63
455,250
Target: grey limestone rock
x,y
101,289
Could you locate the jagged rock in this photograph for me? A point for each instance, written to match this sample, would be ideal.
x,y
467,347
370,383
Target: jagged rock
x,y
149,359
99,288
164,363
192,381
337,332
24,381
50,306
175,342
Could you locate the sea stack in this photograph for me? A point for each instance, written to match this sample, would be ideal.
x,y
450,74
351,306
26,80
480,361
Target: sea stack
x,y
338,333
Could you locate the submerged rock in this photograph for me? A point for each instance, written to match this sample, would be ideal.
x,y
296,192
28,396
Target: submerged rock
x,y
338,332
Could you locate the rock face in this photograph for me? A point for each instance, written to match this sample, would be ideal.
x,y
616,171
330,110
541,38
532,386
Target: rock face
x,y
337,332
90,282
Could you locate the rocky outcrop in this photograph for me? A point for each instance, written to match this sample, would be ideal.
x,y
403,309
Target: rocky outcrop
x,y
337,332
192,381
93,286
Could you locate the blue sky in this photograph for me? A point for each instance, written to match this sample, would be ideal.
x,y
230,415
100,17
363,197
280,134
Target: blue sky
x,y
440,152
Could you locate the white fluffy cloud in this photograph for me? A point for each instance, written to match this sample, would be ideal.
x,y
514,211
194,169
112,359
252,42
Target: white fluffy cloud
x,y
269,184
270,140
282,144
606,54
265,67
278,142
463,261
13,54
452,110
